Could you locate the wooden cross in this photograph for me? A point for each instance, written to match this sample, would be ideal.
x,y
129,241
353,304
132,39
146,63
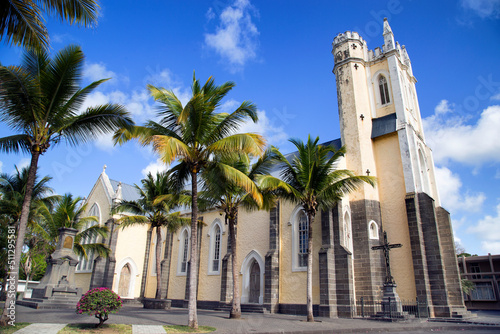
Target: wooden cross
x,y
386,247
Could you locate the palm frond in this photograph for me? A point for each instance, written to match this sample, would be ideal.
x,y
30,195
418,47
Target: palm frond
x,y
94,122
127,221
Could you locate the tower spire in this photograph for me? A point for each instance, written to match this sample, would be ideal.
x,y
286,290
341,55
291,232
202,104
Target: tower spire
x,y
388,36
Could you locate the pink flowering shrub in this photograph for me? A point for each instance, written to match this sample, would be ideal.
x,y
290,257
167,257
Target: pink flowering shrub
x,y
99,302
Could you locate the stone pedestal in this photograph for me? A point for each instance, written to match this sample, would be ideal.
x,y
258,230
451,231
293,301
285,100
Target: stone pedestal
x,y
391,303
392,310
57,289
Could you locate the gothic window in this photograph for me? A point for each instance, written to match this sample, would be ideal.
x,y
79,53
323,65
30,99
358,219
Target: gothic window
x,y
300,235
423,172
183,252
303,240
373,230
384,90
347,239
215,248
85,264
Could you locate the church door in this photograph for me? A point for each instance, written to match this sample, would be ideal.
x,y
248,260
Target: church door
x,y
254,283
124,283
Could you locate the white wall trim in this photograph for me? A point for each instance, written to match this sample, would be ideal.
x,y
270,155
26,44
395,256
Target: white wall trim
x,y
294,222
211,247
134,272
181,248
245,272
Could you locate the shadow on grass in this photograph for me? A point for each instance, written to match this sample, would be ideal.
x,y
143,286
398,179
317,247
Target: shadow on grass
x,y
90,328
11,329
186,329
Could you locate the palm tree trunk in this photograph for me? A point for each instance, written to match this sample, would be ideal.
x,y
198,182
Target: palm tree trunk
x,y
192,313
158,262
310,317
236,305
146,262
23,222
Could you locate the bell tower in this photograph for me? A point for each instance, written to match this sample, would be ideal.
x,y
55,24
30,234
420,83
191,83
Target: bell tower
x,y
381,127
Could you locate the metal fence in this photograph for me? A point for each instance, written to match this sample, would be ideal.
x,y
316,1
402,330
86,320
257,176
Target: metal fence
x,y
390,308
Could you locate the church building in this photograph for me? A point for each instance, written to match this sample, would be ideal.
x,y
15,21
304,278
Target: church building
x,y
381,128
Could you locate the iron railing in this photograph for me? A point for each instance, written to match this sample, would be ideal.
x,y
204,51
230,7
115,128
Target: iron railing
x,y
390,308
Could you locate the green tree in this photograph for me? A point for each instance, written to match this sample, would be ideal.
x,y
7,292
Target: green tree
x,y
195,134
22,23
158,199
41,101
12,191
226,196
315,182
70,212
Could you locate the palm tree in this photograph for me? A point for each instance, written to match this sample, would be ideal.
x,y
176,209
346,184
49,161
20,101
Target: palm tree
x,y
41,100
223,194
70,212
195,134
12,190
315,183
22,23
157,201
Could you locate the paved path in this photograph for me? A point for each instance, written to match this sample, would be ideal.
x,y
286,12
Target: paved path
x,y
147,329
41,329
250,323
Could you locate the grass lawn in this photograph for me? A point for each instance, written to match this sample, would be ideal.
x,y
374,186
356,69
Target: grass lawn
x,y
186,329
12,329
90,328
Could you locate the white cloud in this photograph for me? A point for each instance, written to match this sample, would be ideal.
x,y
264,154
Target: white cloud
x,y
451,196
94,72
154,167
235,38
487,229
483,8
24,162
443,107
495,97
451,138
1,166
492,247
266,127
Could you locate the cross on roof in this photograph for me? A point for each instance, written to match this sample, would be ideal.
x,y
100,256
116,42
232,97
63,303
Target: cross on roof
x,y
386,247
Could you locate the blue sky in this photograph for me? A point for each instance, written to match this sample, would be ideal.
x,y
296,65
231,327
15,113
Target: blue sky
x,y
279,54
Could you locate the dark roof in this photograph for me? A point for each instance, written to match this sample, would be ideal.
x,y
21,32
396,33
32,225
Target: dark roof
x,y
129,192
383,125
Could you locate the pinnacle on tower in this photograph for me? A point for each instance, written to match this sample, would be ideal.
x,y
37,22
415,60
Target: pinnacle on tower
x,y
388,36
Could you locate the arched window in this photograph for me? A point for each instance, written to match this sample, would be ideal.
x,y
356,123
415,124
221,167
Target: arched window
x,y
423,172
373,230
384,90
86,264
303,240
300,236
215,235
347,239
183,252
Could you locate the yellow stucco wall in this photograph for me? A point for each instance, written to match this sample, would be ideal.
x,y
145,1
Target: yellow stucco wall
x,y
82,280
97,196
392,193
131,246
152,277
293,283
388,108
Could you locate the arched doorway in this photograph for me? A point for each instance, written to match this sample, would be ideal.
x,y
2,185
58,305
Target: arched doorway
x,y
254,292
252,282
124,283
